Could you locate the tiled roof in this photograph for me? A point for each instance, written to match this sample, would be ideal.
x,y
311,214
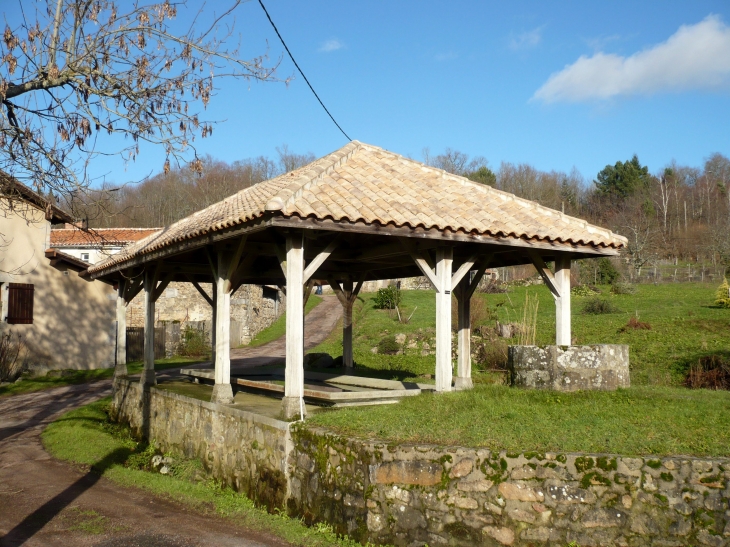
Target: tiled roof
x,y
58,256
12,188
364,183
99,237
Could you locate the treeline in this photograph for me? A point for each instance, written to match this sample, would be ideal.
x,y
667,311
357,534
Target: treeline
x,y
678,213
167,197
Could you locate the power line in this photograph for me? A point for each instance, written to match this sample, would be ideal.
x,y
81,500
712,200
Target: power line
x,y
300,71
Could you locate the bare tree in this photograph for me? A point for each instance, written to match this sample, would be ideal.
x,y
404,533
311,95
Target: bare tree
x,y
75,73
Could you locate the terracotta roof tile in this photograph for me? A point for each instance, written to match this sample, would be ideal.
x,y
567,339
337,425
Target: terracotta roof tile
x,y
363,183
76,237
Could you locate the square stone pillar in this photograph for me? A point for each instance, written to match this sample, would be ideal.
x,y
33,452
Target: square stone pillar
x,y
293,402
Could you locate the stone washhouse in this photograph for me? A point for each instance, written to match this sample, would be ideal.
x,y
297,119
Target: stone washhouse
x,y
359,214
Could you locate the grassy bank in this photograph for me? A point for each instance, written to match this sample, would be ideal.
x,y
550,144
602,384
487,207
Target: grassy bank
x,y
58,378
278,327
639,420
85,436
685,326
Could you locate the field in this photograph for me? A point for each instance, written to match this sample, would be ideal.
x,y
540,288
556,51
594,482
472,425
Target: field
x,y
685,326
657,415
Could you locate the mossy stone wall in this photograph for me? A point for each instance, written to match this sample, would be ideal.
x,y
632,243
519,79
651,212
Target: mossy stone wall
x,y
423,494
416,495
241,449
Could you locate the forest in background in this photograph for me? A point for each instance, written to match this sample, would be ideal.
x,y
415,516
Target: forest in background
x,y
675,219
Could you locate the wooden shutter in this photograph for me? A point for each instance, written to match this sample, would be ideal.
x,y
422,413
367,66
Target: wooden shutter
x,y
20,303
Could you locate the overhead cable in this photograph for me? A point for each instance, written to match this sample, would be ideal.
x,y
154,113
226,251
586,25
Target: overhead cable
x,y
300,70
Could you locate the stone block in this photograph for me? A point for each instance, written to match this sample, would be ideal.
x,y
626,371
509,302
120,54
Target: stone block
x,y
416,473
570,368
503,535
519,492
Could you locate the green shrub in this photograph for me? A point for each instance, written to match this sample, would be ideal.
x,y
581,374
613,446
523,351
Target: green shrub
x,y
621,287
601,271
599,306
387,298
388,345
722,297
193,343
585,290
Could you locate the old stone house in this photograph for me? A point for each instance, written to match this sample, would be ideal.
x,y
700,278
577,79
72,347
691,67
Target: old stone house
x,y
253,307
65,321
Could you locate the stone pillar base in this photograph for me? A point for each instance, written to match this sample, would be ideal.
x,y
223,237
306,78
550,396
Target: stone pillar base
x,y
222,394
290,407
120,371
148,378
461,384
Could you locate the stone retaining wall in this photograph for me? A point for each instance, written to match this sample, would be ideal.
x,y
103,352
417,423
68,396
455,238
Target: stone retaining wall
x,y
422,494
253,307
415,495
241,449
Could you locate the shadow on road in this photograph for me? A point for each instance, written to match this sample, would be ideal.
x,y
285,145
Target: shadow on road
x,y
34,522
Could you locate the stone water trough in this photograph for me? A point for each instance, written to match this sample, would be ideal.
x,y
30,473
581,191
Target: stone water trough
x,y
320,388
602,367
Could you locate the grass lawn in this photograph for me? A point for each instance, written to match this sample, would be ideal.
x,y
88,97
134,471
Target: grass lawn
x,y
85,436
684,327
278,327
58,378
639,420
656,416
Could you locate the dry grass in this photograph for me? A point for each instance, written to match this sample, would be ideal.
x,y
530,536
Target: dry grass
x,y
710,372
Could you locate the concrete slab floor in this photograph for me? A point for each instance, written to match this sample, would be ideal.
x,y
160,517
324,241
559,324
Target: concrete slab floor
x,y
250,402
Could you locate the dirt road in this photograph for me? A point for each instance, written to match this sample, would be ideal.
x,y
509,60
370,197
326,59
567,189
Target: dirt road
x,y
44,502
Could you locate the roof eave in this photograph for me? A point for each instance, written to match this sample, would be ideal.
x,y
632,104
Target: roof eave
x,y
280,221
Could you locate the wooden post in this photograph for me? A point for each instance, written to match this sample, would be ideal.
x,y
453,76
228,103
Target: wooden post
x,y
444,370
293,402
347,295
463,367
464,290
120,368
148,373
562,302
222,390
347,356
213,316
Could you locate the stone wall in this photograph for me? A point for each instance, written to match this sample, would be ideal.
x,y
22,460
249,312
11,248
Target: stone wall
x,y
570,368
243,450
416,495
253,307
423,494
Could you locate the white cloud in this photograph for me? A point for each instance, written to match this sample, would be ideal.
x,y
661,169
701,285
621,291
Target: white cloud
x,y
446,56
331,45
694,57
526,40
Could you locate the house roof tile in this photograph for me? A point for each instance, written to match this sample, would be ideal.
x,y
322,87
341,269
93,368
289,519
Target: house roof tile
x,y
99,237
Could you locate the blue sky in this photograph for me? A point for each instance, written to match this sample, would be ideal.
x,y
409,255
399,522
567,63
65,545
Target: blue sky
x,y
557,85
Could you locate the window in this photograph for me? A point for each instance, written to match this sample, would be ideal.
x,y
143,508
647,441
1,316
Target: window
x,y
20,303
85,257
